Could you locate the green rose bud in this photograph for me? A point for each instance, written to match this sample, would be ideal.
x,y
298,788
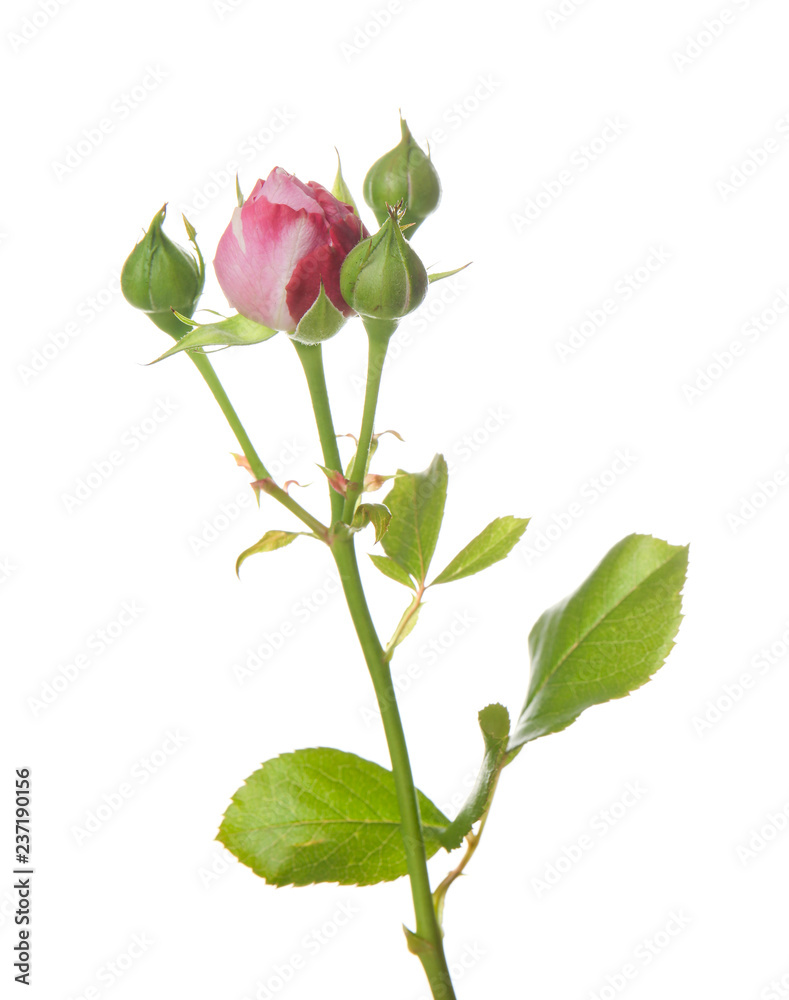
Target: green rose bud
x,y
405,174
382,277
160,276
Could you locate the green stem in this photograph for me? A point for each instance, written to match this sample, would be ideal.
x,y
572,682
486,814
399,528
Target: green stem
x,y
311,358
259,470
429,946
379,333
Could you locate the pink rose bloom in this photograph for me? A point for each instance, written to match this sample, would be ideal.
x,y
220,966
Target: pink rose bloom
x,y
282,243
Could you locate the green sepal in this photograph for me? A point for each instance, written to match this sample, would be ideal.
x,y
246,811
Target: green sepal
x,y
234,331
494,721
340,189
320,322
439,275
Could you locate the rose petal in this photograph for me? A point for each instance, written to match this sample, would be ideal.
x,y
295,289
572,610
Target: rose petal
x,y
254,271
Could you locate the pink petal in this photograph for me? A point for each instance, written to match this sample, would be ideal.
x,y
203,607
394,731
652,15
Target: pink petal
x,y
282,188
257,255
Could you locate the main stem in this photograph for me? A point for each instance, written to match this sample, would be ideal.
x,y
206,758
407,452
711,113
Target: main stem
x,y
429,948
259,470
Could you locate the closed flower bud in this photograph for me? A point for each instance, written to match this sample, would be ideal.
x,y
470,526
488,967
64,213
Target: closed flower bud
x,y
404,174
160,276
382,277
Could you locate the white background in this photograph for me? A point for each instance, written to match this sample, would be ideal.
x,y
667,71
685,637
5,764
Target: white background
x,y
509,97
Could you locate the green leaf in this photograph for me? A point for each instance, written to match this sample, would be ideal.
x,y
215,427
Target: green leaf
x,y
322,815
606,639
340,189
417,504
320,322
391,569
494,721
405,626
446,274
272,540
490,546
372,513
235,331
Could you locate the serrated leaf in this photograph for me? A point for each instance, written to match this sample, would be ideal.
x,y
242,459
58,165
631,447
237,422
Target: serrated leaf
x,y
417,504
272,540
439,275
372,513
607,638
494,721
391,569
340,189
320,322
322,815
490,546
235,331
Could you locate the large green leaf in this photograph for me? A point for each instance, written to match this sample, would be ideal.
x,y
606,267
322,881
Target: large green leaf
x,y
416,502
491,545
606,639
235,331
322,815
